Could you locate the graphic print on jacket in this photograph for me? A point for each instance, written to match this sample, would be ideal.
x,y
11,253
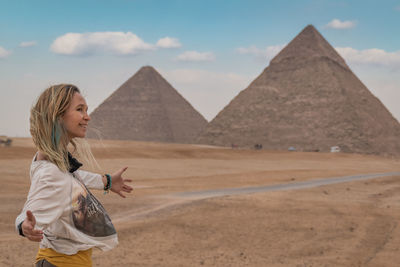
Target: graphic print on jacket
x,y
88,215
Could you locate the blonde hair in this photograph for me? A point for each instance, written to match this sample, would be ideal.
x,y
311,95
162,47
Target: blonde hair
x,y
47,130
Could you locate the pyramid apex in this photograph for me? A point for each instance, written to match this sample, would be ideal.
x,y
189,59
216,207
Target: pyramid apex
x,y
308,44
147,68
310,30
310,27
145,73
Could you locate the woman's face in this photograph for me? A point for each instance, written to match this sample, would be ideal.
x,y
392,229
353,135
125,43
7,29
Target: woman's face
x,y
76,119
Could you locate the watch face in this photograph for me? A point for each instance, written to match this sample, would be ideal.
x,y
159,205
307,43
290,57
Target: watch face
x,y
88,215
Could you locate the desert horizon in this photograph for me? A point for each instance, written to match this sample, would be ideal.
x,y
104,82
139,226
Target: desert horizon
x,y
343,224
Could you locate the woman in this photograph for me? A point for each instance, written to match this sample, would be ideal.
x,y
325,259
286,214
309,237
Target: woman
x,y
60,211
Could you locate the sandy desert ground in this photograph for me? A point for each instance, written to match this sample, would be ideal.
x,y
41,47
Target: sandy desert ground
x,y
345,224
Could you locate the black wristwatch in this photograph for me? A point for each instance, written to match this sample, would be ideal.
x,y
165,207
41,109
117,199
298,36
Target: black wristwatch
x,y
21,233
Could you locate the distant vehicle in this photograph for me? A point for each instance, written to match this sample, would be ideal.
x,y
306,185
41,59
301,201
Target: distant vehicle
x,y
291,148
335,149
5,141
258,146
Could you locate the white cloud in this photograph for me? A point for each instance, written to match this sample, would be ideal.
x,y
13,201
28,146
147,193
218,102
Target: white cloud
x,y
337,24
383,84
379,71
196,56
267,53
28,44
168,42
374,56
119,43
4,53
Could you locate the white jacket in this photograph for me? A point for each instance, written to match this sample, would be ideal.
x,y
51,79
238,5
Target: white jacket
x,y
71,218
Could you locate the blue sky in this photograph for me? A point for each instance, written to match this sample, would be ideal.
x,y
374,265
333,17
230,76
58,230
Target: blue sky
x,y
208,50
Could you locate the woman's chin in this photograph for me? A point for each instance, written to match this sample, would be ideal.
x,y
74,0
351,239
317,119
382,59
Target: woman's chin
x,y
81,135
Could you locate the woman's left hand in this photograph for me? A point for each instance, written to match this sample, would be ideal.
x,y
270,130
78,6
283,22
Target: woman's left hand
x,y
118,183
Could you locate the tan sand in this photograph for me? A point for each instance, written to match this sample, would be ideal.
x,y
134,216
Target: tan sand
x,y
346,224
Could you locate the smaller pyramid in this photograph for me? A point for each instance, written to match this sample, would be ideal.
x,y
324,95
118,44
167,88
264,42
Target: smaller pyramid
x,y
146,108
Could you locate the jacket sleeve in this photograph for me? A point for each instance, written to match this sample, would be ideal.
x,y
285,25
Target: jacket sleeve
x,y
48,197
91,180
21,217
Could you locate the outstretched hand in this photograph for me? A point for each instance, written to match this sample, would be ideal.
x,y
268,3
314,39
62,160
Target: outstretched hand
x,y
28,228
118,183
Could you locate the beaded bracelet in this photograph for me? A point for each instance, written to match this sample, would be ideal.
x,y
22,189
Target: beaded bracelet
x,y
107,187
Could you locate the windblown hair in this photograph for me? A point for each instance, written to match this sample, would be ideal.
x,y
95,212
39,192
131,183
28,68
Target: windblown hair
x,y
46,126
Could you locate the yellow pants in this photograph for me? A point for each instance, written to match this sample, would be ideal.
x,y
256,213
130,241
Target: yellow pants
x,y
81,259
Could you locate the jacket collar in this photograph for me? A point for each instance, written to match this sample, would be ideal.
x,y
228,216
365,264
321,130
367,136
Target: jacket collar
x,y
74,164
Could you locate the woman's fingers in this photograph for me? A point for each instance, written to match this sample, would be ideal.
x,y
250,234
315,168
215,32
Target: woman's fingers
x,y
127,186
30,217
119,186
122,170
35,238
28,228
36,235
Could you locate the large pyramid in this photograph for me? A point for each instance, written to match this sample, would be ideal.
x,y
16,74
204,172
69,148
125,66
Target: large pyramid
x,y
146,108
307,98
